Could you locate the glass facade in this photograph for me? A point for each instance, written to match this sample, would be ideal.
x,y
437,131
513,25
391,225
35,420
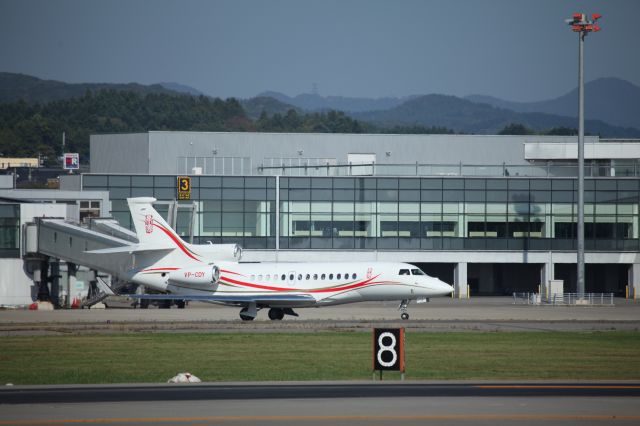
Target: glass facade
x,y
229,209
376,213
9,230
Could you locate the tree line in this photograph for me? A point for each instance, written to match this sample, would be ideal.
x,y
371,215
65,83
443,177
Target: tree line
x,y
31,130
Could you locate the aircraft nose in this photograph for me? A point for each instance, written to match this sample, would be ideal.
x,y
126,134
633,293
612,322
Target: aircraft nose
x,y
446,288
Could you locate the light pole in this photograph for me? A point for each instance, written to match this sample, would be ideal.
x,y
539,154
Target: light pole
x,y
582,25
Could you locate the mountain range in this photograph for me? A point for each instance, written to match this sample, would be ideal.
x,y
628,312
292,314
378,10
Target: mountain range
x,y
465,116
612,100
612,107
315,102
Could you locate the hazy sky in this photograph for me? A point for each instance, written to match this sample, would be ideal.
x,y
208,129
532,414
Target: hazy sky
x,y
514,49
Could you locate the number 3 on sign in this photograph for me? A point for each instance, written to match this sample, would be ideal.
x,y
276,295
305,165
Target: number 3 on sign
x,y
184,188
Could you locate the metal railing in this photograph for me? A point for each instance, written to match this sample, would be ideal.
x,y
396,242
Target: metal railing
x,y
224,166
418,169
597,299
564,299
302,166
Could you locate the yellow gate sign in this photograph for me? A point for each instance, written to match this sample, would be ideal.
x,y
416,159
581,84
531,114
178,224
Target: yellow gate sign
x,y
184,188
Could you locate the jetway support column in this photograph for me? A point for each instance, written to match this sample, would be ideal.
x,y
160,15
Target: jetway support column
x,y
634,281
71,283
41,278
460,280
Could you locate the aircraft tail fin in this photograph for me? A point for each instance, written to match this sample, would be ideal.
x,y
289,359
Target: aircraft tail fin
x,y
151,228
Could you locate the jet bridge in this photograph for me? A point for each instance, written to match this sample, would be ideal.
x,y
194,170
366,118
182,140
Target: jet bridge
x,y
67,241
70,242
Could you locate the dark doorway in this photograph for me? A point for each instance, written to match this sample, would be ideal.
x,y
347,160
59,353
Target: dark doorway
x,y
599,278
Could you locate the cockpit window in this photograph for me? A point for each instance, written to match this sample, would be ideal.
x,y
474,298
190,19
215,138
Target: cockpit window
x,y
417,272
404,272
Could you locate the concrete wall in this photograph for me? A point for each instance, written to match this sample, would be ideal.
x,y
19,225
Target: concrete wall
x,y
165,147
16,287
157,152
120,153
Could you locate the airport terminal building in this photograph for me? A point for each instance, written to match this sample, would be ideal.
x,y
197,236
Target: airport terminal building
x,y
496,213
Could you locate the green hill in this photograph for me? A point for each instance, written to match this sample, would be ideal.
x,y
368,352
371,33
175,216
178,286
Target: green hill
x,y
15,87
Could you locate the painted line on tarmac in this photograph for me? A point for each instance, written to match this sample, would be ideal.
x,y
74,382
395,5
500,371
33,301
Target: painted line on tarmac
x,y
461,417
595,387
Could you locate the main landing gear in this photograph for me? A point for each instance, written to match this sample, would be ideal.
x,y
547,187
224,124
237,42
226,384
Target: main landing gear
x,y
403,308
245,316
250,312
276,314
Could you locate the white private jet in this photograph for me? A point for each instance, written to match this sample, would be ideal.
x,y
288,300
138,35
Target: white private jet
x,y
163,262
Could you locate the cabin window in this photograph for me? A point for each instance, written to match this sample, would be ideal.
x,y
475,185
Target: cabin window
x,y
417,272
299,277
323,276
284,277
259,277
354,276
315,277
291,277
404,272
253,277
346,276
330,276
338,277
267,277
308,276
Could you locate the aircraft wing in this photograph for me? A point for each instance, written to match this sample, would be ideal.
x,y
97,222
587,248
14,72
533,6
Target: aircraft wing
x,y
134,248
267,299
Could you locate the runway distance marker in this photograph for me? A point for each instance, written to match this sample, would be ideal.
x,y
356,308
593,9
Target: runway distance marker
x,y
388,350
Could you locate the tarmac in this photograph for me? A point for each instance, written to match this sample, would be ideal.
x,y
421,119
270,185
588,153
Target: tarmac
x,y
326,403
439,315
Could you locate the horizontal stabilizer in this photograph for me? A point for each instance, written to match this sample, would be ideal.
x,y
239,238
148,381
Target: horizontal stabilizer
x,y
136,248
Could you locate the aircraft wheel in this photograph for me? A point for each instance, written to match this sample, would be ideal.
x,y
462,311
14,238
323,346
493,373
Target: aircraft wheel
x,y
276,314
245,317
404,316
144,303
180,304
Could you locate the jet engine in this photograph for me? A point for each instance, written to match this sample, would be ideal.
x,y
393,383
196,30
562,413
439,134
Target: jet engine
x,y
226,252
200,277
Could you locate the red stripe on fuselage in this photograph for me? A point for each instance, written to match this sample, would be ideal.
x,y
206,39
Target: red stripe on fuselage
x,y
159,269
262,287
175,240
319,290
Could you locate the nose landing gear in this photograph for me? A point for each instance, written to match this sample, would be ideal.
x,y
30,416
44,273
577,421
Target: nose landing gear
x,y
403,308
249,312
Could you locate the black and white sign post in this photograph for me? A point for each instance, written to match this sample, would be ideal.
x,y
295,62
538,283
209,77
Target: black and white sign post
x,y
388,350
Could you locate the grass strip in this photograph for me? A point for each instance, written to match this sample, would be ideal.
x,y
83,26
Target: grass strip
x,y
138,358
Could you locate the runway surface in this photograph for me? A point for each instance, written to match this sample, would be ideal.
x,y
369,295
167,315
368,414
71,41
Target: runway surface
x,y
344,403
326,404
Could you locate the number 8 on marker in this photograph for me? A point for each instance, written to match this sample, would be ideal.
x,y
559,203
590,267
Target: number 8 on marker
x,y
387,348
